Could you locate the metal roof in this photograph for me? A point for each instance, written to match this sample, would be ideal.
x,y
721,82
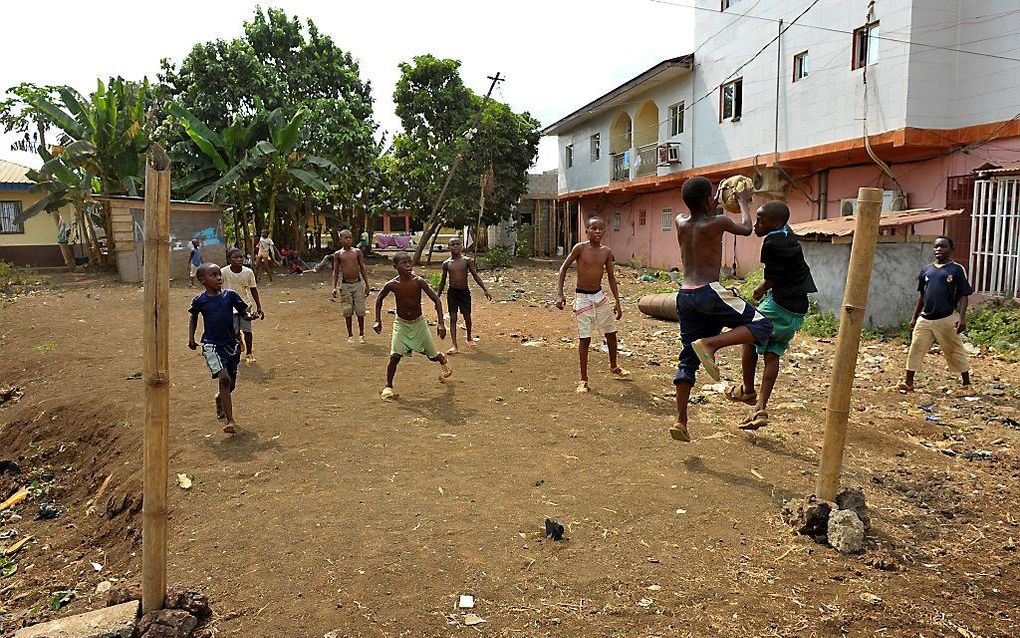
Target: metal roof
x,y
844,226
11,173
1008,169
659,73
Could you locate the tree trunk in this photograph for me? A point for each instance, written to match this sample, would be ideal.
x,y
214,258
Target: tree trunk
x,y
426,235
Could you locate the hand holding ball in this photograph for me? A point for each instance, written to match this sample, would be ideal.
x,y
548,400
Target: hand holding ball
x,y
729,188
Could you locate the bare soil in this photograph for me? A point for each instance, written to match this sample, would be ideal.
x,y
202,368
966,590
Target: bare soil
x,y
333,510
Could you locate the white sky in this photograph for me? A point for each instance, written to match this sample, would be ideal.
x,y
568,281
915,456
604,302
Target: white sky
x,y
557,55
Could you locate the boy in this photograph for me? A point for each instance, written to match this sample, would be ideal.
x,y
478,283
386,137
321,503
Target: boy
x,y
458,297
241,280
194,260
220,345
264,258
591,306
940,314
788,277
410,330
704,306
350,262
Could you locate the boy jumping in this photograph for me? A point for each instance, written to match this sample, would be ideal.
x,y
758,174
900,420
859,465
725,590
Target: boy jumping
x,y
940,314
788,277
241,279
350,262
410,329
704,305
591,306
458,298
220,345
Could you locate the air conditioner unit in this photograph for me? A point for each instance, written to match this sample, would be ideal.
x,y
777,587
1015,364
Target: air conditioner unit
x,y
669,153
770,180
892,201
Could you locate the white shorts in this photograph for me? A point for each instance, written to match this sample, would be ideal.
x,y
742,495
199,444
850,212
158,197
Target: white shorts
x,y
192,269
593,310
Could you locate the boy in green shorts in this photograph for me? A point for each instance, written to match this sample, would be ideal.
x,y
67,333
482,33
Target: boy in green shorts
x,y
788,277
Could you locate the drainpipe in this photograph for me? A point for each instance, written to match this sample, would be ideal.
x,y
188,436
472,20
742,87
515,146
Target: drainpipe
x,y
823,194
779,68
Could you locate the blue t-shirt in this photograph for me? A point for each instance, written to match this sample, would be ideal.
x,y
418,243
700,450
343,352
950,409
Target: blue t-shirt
x,y
218,316
196,256
941,286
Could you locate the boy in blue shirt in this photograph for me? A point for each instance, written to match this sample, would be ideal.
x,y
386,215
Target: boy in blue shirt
x,y
221,345
940,314
788,281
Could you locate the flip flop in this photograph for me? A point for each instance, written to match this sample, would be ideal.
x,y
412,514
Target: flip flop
x,y
619,373
447,371
679,433
387,394
737,393
582,388
757,420
710,366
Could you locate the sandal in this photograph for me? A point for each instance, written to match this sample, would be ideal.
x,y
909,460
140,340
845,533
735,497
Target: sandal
x,y
582,387
679,432
619,373
710,365
757,420
903,387
737,393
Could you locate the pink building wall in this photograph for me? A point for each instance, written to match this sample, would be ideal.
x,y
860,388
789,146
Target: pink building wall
x,y
650,246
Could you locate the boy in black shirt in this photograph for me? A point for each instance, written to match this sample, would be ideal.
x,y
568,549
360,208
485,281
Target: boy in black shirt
x,y
221,345
788,278
940,314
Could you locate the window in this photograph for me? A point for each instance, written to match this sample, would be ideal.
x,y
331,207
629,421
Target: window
x,y
642,218
570,155
676,119
8,212
800,66
865,45
731,100
667,219
616,222
596,147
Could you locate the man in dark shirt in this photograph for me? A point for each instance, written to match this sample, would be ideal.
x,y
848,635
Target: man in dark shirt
x,y
940,314
788,277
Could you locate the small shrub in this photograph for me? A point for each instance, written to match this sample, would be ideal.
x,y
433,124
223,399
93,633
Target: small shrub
x,y
498,258
434,279
819,324
11,275
751,281
996,325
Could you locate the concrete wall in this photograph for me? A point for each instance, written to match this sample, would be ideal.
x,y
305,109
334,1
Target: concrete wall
x,y
37,246
893,289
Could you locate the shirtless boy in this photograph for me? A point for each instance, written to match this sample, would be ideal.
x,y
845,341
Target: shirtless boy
x,y
591,306
410,329
458,298
350,262
704,305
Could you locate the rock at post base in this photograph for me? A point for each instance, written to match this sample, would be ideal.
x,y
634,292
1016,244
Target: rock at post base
x,y
110,622
852,498
846,532
167,623
193,602
808,516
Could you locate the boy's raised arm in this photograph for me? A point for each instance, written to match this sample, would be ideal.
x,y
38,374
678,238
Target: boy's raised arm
x,y
377,326
571,258
474,273
442,280
611,275
441,327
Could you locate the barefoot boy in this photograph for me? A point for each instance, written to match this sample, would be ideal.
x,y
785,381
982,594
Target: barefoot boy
x,y
591,306
458,298
410,330
940,314
788,278
353,289
220,345
704,305
241,279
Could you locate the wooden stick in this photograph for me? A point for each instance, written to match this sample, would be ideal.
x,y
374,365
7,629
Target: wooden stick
x,y
156,335
855,301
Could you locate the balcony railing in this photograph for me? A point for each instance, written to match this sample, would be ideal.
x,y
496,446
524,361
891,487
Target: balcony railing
x,y
621,166
648,158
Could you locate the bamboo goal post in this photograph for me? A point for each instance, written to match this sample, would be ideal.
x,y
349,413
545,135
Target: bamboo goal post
x,y
851,322
156,335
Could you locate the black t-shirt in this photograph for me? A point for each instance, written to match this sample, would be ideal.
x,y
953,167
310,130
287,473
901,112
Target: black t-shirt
x,y
941,286
786,269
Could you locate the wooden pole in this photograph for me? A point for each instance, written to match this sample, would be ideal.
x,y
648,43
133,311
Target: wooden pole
x,y
855,301
156,340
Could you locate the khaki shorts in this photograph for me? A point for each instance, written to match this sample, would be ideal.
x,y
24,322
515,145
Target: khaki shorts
x,y
591,311
352,299
928,331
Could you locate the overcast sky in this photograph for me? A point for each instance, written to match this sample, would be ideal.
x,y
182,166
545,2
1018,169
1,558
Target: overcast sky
x,y
557,55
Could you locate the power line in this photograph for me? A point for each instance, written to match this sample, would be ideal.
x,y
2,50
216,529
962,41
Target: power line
x,y
843,31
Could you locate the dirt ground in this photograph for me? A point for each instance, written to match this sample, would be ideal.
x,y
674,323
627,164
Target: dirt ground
x,y
334,511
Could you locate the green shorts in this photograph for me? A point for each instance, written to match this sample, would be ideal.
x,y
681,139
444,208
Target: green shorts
x,y
412,336
785,325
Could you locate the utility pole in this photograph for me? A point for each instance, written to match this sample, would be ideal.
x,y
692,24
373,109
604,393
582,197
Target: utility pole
x,y
434,215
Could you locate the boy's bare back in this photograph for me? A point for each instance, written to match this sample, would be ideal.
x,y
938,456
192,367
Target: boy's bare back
x,y
700,237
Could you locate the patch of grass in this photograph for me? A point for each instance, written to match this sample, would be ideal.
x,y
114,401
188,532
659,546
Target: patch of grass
x,y
43,348
11,275
996,326
434,279
498,258
819,324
